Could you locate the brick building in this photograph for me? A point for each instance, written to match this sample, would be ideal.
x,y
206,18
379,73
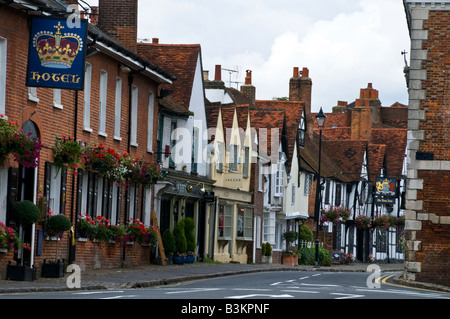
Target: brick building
x,y
117,109
428,197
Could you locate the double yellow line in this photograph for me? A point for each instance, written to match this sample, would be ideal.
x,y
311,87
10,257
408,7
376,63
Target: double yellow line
x,y
383,280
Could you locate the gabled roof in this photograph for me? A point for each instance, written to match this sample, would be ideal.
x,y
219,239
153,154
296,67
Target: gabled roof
x,y
180,60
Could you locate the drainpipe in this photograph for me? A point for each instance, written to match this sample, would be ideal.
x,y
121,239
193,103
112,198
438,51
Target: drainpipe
x,y
72,219
130,96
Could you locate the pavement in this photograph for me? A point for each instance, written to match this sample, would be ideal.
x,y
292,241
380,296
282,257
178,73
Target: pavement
x,y
158,275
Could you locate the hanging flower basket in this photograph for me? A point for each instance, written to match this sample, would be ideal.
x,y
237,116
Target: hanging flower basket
x,y
26,151
145,173
100,158
8,131
362,222
67,151
381,221
335,214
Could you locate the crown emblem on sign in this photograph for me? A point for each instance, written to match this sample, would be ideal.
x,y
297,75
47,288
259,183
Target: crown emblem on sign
x,y
57,50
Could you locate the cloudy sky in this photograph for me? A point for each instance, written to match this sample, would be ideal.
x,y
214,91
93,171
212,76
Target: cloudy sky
x,y
345,43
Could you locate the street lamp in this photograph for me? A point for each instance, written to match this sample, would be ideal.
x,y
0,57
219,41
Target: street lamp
x,y
320,122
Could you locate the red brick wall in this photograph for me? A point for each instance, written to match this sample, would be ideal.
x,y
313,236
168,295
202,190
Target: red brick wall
x,y
437,125
52,122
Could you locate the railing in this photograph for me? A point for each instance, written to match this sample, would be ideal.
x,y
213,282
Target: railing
x,y
308,244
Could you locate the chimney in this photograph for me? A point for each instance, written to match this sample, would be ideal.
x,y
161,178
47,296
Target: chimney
x,y
300,88
369,98
248,89
118,19
218,73
155,41
217,83
361,125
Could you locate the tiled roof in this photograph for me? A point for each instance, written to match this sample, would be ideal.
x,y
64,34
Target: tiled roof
x,y
181,61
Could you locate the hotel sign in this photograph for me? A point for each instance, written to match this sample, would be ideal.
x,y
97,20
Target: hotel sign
x,y
56,53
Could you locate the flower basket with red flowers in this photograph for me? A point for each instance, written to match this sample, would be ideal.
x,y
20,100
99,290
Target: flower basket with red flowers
x,y
135,231
8,131
101,231
335,214
145,173
67,151
362,222
100,158
26,150
381,221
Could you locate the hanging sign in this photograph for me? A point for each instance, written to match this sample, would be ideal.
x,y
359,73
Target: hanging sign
x,y
56,53
386,190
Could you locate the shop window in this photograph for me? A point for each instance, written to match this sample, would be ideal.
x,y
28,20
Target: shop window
x,y
244,223
225,221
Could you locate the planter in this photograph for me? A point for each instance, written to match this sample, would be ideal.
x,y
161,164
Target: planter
x,y
190,259
290,260
266,259
19,273
53,269
178,260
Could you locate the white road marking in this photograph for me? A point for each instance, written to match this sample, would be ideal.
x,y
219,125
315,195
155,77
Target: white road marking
x,y
260,295
347,296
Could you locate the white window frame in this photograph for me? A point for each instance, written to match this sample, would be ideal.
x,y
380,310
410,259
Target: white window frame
x,y
269,224
57,99
3,193
3,66
87,98
103,103
134,115
151,111
32,94
118,109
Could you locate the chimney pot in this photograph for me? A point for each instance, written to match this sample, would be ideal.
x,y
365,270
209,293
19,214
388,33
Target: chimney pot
x,y
248,77
296,72
305,73
218,73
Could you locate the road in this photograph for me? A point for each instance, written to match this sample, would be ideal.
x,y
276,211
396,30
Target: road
x,y
266,285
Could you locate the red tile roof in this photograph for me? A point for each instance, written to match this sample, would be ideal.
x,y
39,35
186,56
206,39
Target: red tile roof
x,y
181,61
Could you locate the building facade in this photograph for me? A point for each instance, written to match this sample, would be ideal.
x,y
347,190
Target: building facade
x,y
427,189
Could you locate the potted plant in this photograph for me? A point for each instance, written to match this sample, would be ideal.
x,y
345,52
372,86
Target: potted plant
x,y
266,257
189,226
56,226
169,245
180,243
290,257
25,214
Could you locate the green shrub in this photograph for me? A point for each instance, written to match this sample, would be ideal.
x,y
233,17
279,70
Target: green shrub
x,y
308,255
263,249
180,238
268,250
26,212
168,242
189,226
306,233
57,224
